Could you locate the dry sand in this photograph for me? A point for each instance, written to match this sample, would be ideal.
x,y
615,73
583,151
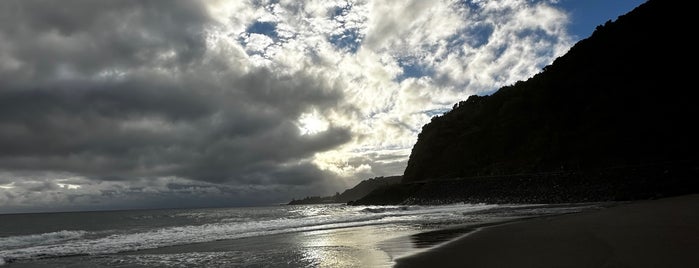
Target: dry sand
x,y
654,233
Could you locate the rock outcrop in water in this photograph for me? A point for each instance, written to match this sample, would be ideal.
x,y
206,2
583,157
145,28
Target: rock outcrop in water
x,y
618,103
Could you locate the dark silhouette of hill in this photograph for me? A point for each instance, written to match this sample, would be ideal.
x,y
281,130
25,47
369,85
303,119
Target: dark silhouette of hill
x,y
614,99
366,186
358,191
620,100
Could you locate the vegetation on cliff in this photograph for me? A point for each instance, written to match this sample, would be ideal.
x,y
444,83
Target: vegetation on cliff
x,y
617,98
612,119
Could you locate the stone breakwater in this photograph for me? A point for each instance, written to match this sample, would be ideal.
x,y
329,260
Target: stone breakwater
x,y
611,184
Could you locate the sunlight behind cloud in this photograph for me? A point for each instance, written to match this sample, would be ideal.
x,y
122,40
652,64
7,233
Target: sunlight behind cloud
x,y
68,186
396,63
312,123
310,96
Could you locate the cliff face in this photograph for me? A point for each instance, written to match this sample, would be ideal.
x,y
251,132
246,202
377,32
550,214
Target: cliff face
x,y
621,97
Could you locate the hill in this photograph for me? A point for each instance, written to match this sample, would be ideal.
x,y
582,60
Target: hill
x,y
618,103
358,191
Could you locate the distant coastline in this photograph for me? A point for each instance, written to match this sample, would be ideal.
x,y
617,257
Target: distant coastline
x,y
600,123
355,193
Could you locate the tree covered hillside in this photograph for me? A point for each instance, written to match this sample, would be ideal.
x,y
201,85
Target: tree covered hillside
x,y
622,97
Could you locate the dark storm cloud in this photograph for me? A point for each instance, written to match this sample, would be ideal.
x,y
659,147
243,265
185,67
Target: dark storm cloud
x,y
126,90
88,36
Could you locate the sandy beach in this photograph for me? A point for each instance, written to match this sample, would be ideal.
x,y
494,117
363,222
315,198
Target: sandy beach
x,y
652,233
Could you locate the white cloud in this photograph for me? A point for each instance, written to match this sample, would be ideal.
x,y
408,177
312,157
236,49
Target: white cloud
x,y
395,63
471,48
518,38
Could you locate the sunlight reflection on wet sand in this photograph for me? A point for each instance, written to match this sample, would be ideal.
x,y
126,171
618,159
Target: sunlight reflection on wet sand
x,y
369,246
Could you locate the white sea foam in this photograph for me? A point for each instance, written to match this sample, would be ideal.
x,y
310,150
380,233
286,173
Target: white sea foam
x,y
66,243
39,239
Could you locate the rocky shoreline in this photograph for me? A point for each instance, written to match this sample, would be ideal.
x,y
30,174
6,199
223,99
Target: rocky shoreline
x,y
611,184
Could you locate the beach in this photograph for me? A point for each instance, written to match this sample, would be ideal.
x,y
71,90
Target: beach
x,y
320,235
649,233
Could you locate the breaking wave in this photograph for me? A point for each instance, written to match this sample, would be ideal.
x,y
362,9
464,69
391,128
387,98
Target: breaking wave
x,y
78,242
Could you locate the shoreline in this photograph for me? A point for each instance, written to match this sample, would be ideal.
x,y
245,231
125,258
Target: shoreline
x,y
647,233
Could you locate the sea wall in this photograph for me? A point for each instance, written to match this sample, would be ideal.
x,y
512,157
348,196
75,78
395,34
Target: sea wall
x,y
611,184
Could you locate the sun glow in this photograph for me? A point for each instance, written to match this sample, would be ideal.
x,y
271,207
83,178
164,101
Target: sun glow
x,y
69,186
312,123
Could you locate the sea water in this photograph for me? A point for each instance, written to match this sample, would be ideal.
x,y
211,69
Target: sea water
x,y
327,235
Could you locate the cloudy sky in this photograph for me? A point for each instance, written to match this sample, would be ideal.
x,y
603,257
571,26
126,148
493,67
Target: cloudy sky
x,y
138,104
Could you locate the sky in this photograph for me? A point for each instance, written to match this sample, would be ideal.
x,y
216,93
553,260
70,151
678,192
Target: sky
x,y
156,104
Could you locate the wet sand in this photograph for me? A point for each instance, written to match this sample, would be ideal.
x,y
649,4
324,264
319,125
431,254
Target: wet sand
x,y
653,233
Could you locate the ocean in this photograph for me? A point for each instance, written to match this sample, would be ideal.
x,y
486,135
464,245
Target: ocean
x,y
326,235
